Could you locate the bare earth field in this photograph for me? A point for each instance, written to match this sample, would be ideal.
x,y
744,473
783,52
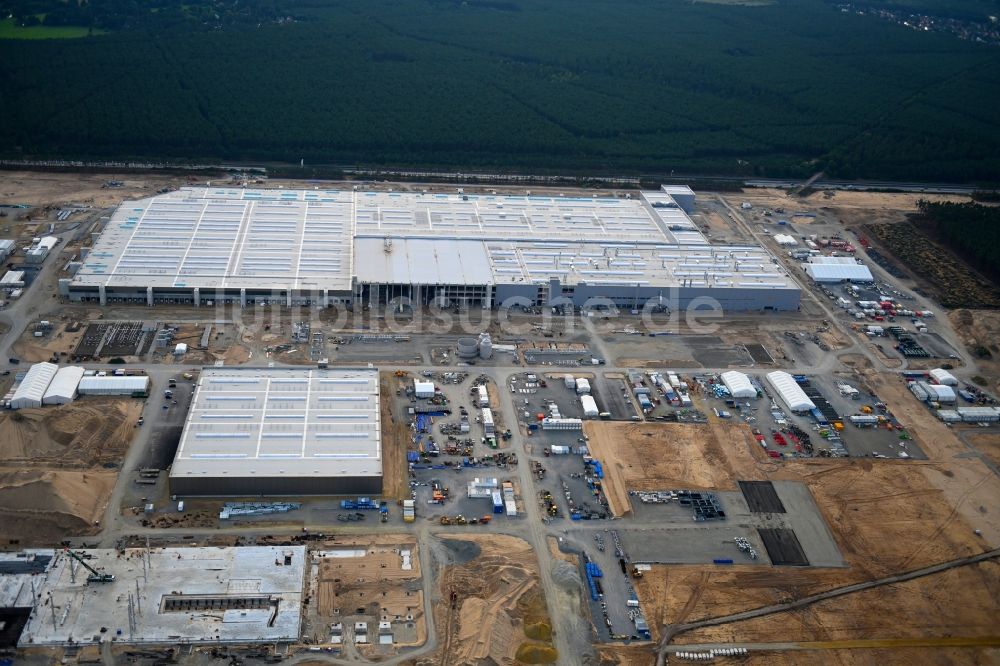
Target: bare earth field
x,y
886,516
53,189
57,466
497,614
395,435
977,329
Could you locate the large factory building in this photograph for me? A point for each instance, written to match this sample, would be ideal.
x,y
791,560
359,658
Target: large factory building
x,y
269,431
312,247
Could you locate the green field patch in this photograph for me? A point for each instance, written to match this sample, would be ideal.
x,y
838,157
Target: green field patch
x,y
10,30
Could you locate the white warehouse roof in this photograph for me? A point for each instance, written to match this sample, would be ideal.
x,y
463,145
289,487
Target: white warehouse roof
x,y
941,393
942,376
738,384
296,423
838,272
789,392
12,279
63,387
111,384
32,388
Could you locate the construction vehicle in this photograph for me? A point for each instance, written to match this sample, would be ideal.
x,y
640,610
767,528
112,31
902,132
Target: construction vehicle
x,y
95,575
636,572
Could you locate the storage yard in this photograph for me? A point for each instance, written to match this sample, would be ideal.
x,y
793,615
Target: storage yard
x,y
554,484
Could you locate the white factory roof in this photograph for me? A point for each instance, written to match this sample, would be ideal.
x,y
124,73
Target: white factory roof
x,y
738,384
212,238
789,392
293,422
32,387
322,239
6,245
634,264
838,271
422,261
63,385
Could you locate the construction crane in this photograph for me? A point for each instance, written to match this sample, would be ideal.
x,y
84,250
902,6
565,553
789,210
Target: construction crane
x,y
95,575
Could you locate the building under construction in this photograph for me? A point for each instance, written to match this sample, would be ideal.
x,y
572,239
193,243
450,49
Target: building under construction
x,y
164,596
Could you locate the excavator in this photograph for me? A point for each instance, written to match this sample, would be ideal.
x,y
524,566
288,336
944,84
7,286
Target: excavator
x,y
95,575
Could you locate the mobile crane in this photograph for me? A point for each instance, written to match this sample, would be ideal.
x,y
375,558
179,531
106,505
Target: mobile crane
x,y
95,575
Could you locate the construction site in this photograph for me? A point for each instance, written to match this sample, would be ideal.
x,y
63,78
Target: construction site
x,y
59,465
454,483
369,596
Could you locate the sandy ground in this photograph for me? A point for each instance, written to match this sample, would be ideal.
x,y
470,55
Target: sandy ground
x,y
375,582
59,341
662,456
977,329
395,435
924,656
45,189
886,516
496,599
57,466
870,202
87,433
42,507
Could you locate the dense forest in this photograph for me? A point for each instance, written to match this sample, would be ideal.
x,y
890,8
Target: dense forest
x,y
973,230
105,15
639,86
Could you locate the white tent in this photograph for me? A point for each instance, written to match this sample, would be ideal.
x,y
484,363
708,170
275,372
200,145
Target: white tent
x,y
785,239
589,406
32,388
789,392
942,376
941,393
111,385
423,389
837,269
738,384
63,388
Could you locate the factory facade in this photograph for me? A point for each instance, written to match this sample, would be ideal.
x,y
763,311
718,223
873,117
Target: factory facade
x,y
322,248
270,431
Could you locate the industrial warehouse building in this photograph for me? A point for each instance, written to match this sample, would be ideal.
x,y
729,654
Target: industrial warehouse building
x,y
135,385
837,269
788,392
63,388
32,388
269,431
311,247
